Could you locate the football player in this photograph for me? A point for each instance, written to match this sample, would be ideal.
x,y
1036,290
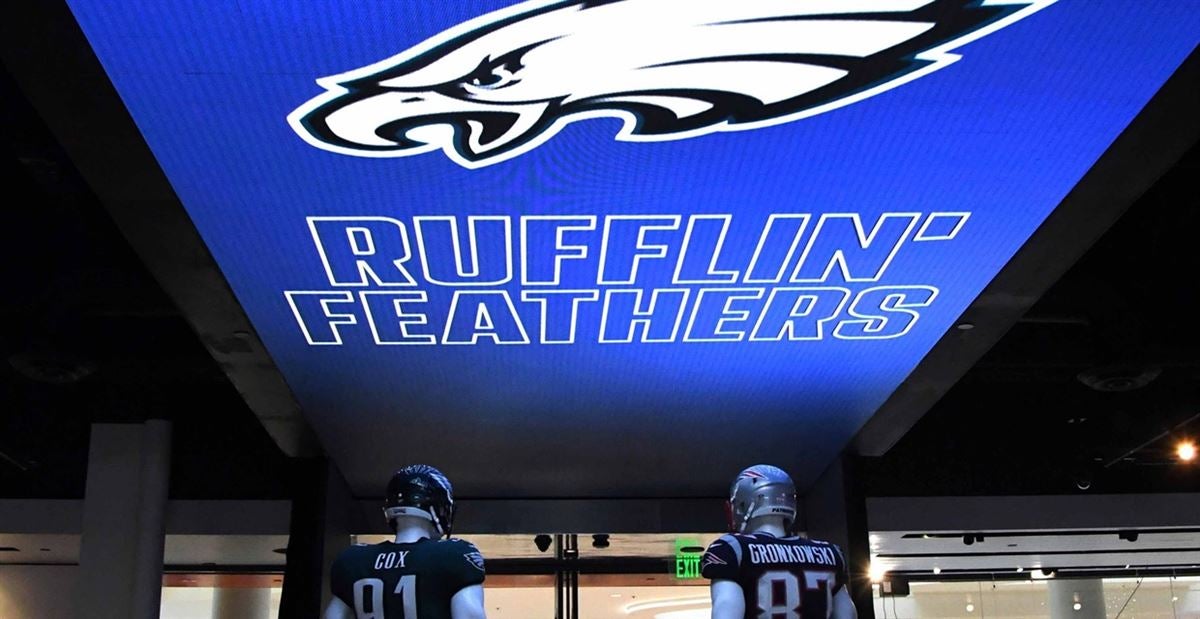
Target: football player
x,y
760,570
419,575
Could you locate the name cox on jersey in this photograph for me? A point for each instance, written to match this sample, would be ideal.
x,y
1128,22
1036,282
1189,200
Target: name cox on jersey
x,y
391,560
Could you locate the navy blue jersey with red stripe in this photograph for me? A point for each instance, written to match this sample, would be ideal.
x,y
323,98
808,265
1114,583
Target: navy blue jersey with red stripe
x,y
781,577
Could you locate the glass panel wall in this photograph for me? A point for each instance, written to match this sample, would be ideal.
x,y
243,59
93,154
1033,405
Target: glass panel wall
x,y
1161,597
221,596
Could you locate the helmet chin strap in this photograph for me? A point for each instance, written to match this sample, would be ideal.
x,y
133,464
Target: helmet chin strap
x,y
741,526
765,519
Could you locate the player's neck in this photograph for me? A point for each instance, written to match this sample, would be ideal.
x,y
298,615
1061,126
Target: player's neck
x,y
409,530
770,526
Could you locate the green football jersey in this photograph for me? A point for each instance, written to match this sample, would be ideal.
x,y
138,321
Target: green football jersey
x,y
405,581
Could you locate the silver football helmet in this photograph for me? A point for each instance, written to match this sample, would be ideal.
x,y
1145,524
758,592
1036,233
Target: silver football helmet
x,y
761,490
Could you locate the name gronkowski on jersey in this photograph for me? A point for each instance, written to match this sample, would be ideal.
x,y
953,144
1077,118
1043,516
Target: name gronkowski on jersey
x,y
405,581
781,577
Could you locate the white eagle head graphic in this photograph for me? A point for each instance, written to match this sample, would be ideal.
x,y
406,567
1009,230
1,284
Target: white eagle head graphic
x,y
499,85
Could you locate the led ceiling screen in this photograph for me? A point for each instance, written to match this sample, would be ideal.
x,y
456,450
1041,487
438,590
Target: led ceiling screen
x,y
661,237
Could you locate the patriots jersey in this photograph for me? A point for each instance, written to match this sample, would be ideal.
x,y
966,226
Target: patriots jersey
x,y
405,581
781,577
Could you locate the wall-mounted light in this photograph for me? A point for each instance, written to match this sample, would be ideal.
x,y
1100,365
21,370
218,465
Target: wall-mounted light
x,y
1186,451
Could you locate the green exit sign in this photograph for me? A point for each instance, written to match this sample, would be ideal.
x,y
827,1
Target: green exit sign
x,y
687,566
687,558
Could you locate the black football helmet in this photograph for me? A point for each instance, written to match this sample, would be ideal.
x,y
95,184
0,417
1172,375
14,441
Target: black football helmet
x,y
422,491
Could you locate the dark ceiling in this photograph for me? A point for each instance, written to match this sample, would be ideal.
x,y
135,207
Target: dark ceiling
x,y
1094,386
89,336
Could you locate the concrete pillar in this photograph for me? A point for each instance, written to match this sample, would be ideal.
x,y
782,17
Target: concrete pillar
x,y
324,515
120,555
836,511
241,603
1066,593
152,525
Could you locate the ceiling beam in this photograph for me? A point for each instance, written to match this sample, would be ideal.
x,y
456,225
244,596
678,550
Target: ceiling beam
x,y
43,48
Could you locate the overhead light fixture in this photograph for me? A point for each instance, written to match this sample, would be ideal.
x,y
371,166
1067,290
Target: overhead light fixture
x,y
877,572
1129,536
1077,606
970,607
1186,451
937,570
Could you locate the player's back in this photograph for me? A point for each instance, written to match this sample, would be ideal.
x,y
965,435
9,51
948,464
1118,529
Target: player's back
x,y
781,578
405,581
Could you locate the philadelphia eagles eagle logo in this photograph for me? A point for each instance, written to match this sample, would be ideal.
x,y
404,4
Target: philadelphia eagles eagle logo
x,y
504,83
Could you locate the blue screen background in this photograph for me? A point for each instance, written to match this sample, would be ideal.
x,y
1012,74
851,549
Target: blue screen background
x,y
1005,133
